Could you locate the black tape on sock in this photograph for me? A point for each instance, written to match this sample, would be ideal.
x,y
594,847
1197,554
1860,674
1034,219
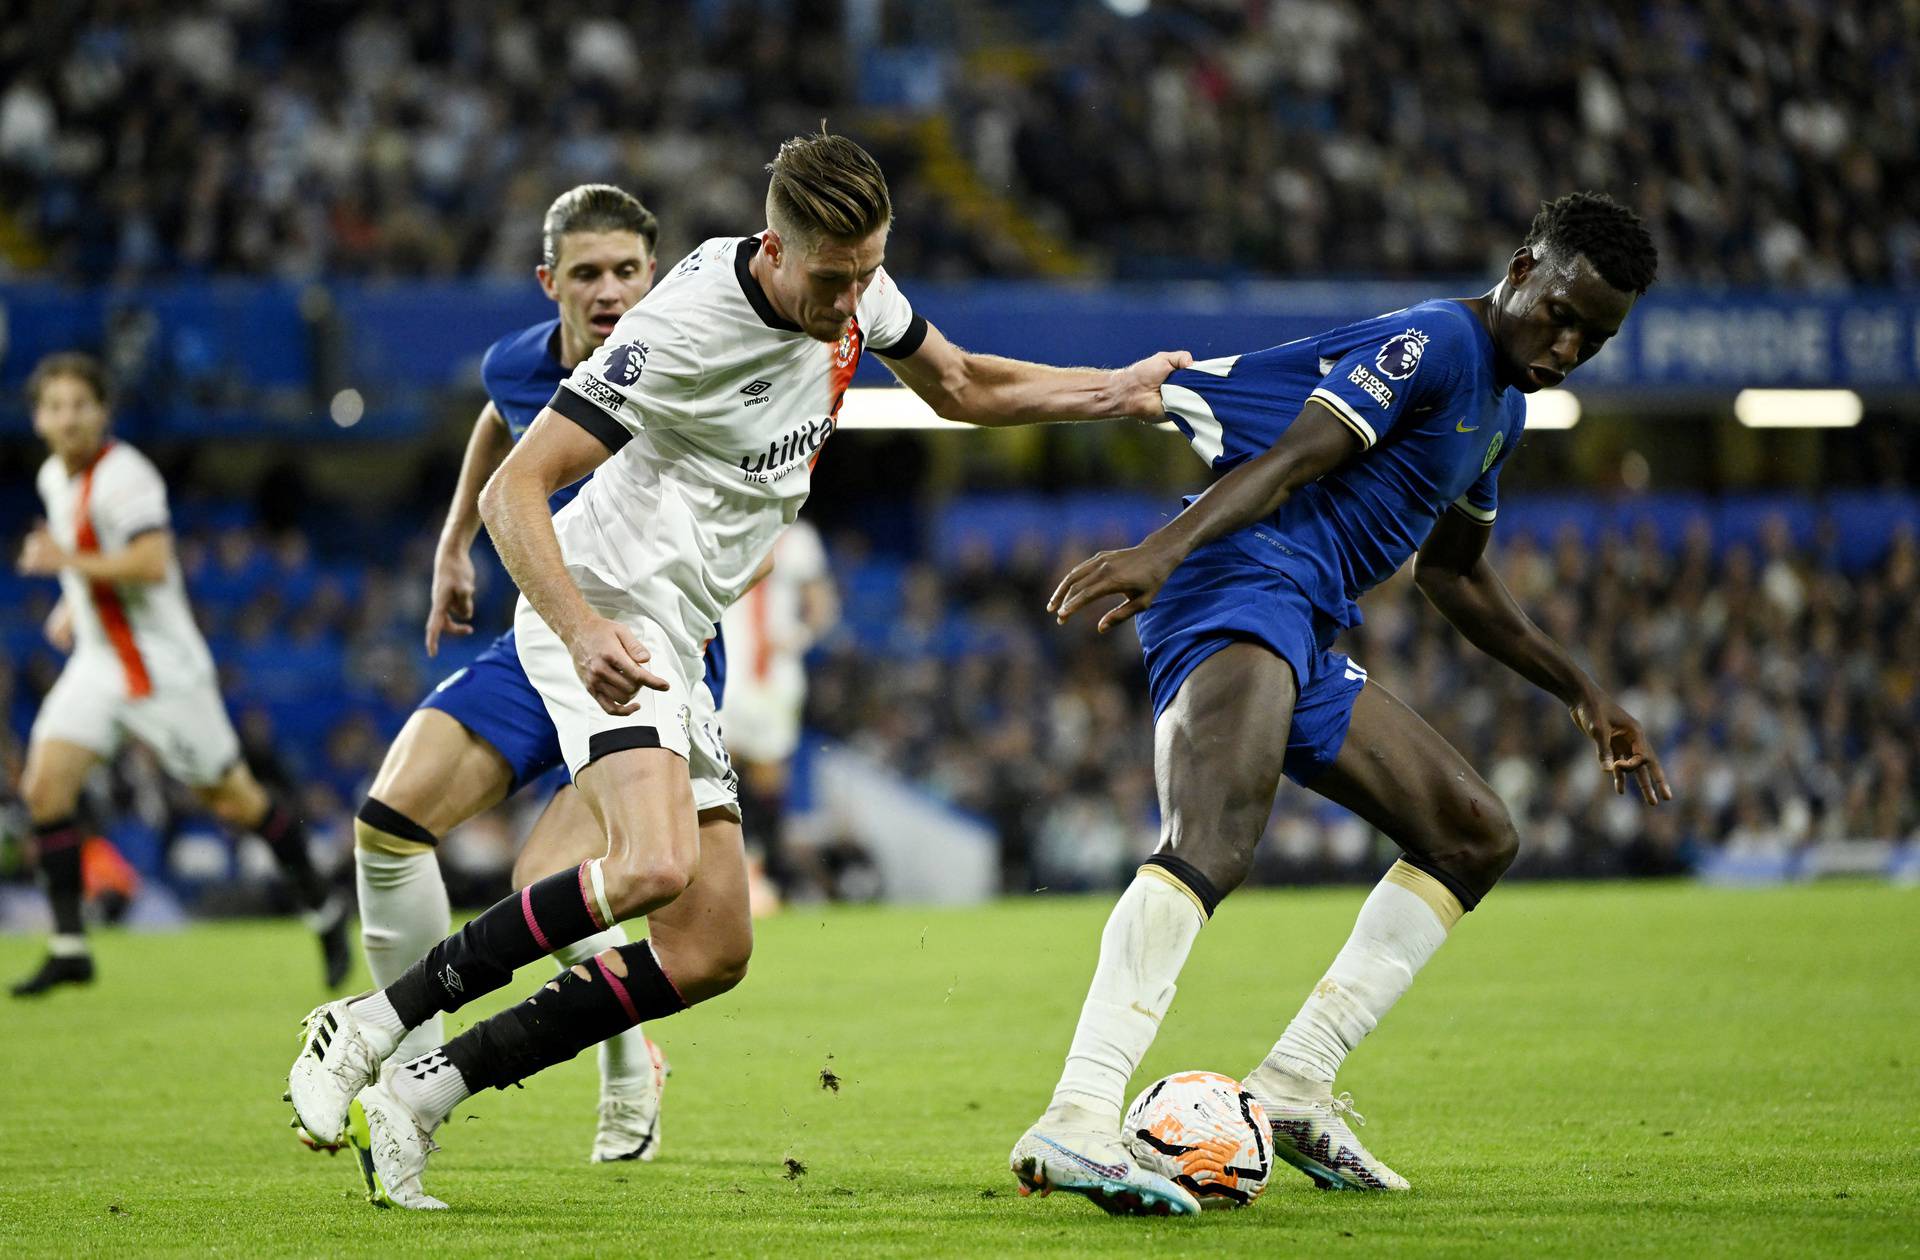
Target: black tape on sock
x,y
383,817
1190,875
1463,893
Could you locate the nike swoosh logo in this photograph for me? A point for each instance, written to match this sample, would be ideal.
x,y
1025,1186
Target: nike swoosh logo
x,y
1461,427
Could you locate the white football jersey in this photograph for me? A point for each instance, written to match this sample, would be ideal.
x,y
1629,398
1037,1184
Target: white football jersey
x,y
715,408
767,633
142,632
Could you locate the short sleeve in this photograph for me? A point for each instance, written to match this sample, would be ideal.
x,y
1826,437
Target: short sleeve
x,y
1373,386
646,376
129,499
892,329
1482,499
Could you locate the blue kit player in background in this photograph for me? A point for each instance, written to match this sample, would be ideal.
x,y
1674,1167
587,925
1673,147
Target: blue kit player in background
x,y
1339,457
483,733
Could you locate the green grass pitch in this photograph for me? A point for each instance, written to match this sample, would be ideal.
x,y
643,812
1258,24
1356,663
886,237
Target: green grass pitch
x,y
1584,1070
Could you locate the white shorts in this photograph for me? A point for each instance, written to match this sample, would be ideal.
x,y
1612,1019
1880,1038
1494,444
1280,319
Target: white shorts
x,y
681,719
185,725
763,722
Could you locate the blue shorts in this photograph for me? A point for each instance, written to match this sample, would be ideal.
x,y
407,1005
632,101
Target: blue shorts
x,y
1222,594
493,699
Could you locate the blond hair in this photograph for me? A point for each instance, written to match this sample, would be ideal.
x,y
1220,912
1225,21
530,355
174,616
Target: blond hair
x,y
826,186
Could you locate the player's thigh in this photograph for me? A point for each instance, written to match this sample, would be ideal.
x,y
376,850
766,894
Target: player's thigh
x,y
439,774
565,835
1219,748
643,799
55,772
704,939
1399,774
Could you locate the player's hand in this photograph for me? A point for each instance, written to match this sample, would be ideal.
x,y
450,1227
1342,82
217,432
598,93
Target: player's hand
x,y
1625,750
1136,572
1137,387
41,556
59,628
611,660
453,587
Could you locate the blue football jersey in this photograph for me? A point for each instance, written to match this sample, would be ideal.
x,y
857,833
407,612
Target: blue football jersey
x,y
1416,386
521,371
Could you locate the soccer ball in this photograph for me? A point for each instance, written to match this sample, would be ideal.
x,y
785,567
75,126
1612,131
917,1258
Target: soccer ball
x,y
1205,1133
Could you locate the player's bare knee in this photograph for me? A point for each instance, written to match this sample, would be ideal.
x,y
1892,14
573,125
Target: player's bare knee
x,y
1482,840
644,885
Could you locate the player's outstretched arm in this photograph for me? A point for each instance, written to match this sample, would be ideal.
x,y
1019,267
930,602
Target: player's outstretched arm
x,y
145,559
1454,574
59,626
1314,445
557,452
986,389
451,611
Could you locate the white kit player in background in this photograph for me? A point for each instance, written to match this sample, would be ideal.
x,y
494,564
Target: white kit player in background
x,y
700,418
769,632
139,667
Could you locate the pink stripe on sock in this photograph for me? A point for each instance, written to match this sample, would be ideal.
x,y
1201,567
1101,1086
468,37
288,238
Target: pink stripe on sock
x,y
586,895
55,841
619,990
526,908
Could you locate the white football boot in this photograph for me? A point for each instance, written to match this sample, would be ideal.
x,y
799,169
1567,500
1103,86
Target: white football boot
x,y
392,1144
1071,1149
630,1123
339,1056
1312,1134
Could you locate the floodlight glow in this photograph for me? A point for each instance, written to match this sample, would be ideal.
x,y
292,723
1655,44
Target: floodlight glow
x,y
1797,408
1552,409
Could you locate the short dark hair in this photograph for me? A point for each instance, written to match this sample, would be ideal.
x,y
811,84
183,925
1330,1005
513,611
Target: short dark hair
x,y
1609,235
595,208
826,185
81,367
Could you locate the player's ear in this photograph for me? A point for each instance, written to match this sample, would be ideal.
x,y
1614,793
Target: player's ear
x,y
544,274
1520,266
772,246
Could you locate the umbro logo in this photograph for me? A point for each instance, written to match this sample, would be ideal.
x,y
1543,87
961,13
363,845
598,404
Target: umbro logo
x,y
756,388
451,979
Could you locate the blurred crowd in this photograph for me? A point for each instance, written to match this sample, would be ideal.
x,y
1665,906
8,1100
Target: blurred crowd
x,y
1766,141
1782,692
1769,141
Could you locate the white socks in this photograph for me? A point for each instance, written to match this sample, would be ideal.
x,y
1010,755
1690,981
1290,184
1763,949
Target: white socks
x,y
403,914
67,945
1146,942
430,1085
625,1066
1405,919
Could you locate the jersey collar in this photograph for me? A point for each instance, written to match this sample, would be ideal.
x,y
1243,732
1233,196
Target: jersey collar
x,y
757,296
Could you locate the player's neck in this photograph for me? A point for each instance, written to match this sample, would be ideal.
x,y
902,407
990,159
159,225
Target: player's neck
x,y
573,350
1486,309
762,272
78,462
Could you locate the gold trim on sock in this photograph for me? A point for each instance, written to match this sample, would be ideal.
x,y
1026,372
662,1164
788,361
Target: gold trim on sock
x,y
370,838
1162,873
1445,906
